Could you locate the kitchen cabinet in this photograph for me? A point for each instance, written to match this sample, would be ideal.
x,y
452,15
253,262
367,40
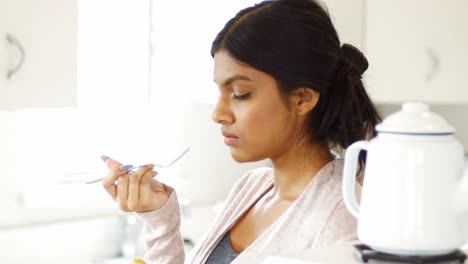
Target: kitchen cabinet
x,y
113,52
76,53
347,16
417,50
46,30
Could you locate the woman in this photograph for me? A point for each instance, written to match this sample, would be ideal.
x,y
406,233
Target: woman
x,y
289,93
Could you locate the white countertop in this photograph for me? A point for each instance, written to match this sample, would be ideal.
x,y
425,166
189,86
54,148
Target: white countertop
x,y
340,254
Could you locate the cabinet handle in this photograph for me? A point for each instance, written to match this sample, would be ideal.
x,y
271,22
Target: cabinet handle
x,y
434,64
14,42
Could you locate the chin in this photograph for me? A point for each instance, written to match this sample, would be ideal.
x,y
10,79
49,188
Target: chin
x,y
243,157
240,160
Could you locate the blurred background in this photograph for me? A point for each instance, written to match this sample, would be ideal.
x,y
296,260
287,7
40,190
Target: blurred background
x,y
133,80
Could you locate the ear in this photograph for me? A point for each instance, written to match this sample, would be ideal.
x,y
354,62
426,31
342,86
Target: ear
x,y
304,100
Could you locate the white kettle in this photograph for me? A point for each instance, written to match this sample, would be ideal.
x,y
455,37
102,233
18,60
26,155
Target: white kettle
x,y
414,198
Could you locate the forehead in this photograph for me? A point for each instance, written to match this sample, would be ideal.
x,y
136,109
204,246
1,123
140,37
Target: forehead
x,y
226,66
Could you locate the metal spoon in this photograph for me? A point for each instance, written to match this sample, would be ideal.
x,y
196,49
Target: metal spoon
x,y
130,167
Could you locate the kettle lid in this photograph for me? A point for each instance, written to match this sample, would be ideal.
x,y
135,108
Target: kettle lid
x,y
415,118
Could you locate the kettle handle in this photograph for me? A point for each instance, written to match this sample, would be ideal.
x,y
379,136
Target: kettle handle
x,y
349,176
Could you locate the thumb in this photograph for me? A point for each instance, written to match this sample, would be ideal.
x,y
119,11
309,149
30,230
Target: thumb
x,y
147,177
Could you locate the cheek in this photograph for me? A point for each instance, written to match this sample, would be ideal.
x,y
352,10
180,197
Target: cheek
x,y
265,121
256,117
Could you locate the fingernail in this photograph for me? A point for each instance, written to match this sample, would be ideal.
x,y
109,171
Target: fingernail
x,y
104,158
126,167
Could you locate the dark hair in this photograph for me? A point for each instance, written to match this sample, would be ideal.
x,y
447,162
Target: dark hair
x,y
295,42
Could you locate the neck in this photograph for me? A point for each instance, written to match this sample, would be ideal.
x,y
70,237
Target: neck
x,y
295,169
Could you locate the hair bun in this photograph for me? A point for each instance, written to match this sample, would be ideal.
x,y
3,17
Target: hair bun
x,y
354,57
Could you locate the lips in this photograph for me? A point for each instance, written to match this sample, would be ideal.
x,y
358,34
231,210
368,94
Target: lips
x,y
229,139
226,134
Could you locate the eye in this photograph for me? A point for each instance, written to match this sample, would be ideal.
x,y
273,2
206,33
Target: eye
x,y
241,96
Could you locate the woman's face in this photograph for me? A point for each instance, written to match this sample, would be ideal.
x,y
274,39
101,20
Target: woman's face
x,y
255,121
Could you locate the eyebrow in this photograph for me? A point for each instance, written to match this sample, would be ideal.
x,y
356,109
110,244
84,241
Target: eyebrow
x,y
235,78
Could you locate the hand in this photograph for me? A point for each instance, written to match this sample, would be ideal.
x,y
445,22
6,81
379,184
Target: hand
x,y
134,191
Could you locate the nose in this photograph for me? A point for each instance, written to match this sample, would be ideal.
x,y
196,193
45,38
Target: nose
x,y
222,113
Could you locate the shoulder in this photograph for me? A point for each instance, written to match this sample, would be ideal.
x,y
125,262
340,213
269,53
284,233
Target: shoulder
x,y
326,184
340,224
330,177
335,170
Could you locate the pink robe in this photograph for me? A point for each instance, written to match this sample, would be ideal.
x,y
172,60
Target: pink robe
x,y
317,218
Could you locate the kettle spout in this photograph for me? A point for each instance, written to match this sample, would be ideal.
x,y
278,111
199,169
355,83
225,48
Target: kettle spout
x,y
461,194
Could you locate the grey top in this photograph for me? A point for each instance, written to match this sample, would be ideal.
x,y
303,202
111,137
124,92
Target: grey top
x,y
223,252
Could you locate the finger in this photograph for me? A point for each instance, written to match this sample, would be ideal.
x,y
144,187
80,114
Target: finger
x,y
112,164
108,182
157,186
146,178
134,186
122,191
